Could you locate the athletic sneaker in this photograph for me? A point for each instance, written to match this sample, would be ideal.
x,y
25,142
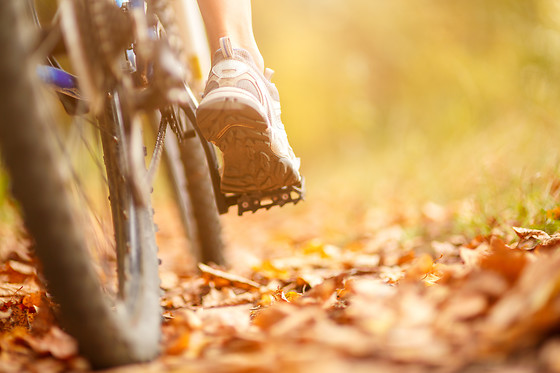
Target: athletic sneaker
x,y
240,113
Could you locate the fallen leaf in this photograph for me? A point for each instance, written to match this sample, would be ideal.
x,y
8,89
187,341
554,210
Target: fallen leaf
x,y
17,272
56,343
549,244
530,238
504,260
550,356
179,344
472,256
222,279
465,305
420,267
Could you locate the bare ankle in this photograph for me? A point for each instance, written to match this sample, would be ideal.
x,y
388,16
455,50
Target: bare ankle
x,y
250,45
258,58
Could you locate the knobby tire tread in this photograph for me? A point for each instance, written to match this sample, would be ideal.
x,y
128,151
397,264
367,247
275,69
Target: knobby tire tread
x,y
203,201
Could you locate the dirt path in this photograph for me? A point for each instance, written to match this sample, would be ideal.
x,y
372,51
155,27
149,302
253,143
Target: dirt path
x,y
314,289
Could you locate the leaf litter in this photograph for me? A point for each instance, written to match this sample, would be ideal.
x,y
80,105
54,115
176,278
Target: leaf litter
x,y
377,302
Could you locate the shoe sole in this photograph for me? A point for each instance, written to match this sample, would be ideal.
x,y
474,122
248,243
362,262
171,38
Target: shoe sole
x,y
233,121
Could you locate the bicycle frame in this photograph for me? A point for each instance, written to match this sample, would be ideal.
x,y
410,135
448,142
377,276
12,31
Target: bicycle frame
x,y
61,80
67,84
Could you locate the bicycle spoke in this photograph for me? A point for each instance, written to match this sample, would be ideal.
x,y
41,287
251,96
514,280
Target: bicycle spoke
x,y
81,140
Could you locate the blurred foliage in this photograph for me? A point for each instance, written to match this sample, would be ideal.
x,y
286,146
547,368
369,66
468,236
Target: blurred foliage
x,y
404,101
429,99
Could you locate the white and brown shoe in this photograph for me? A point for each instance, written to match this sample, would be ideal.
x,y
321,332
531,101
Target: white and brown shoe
x,y
240,113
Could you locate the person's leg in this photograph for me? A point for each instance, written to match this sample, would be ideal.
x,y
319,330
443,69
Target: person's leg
x,y
240,110
230,18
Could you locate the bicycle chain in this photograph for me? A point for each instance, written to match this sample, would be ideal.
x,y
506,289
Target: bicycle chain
x,y
169,117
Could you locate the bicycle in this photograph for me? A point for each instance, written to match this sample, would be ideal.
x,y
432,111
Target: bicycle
x,y
128,73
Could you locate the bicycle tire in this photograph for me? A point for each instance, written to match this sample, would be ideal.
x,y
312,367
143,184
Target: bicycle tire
x,y
108,332
207,235
193,190
188,173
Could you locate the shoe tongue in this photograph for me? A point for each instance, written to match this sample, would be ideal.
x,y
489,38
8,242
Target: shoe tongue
x,y
226,47
268,74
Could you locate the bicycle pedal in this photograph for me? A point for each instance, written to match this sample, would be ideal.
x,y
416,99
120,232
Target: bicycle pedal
x,y
265,200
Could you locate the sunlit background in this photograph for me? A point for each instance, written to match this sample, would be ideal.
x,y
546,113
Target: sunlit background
x,y
430,99
401,102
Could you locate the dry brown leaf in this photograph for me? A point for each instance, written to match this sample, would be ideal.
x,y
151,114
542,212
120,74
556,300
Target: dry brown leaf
x,y
391,275
369,287
317,247
227,297
406,258
14,316
17,272
56,343
472,256
504,260
549,244
550,356
525,233
420,267
529,310
9,290
45,317
324,293
271,270
268,317
488,283
179,344
296,321
235,318
529,238
446,249
362,263
465,305
224,279
309,279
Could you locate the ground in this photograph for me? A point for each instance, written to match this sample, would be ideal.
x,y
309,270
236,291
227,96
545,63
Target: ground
x,y
311,290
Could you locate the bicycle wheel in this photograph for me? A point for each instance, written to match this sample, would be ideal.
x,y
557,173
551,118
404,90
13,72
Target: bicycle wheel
x,y
189,175
187,165
207,235
110,330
